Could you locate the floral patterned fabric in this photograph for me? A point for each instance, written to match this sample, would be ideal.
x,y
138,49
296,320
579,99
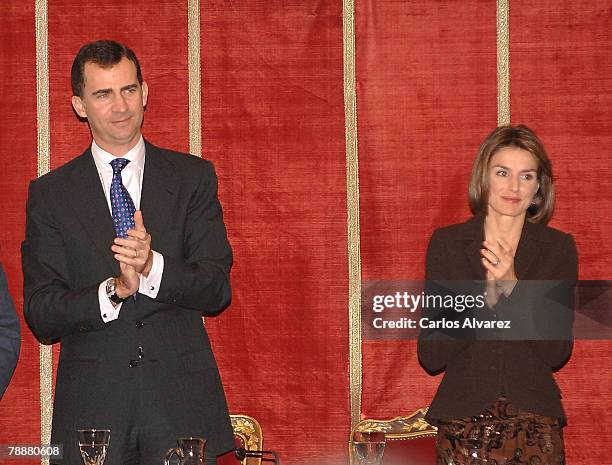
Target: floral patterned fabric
x,y
501,435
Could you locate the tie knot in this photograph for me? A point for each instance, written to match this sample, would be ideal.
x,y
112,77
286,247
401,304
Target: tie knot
x,y
118,164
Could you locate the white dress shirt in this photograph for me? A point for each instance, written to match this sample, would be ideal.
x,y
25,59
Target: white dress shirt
x,y
131,176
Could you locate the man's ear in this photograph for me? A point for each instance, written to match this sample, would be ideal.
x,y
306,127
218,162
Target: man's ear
x,y
79,106
145,93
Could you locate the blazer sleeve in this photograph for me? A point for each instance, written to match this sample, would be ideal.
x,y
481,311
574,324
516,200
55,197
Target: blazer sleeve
x,y
52,308
201,281
542,311
435,351
9,335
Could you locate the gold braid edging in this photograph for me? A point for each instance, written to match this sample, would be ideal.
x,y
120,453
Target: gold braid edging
x,y
503,63
352,196
43,166
193,63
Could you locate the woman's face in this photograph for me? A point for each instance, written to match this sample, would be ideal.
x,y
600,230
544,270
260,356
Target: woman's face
x,y
513,182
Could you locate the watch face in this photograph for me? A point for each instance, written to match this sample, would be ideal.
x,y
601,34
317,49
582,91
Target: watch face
x,y
111,291
110,287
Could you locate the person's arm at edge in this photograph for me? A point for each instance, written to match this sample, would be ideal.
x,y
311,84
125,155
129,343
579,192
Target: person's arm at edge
x,y
10,338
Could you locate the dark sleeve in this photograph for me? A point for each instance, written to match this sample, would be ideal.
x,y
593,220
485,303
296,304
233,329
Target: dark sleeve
x,y
201,281
542,312
434,352
52,309
9,335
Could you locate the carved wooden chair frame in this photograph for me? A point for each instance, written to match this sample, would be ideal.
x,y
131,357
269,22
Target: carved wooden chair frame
x,y
397,429
249,430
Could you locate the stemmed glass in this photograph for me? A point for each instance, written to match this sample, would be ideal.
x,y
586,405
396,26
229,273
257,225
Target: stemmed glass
x,y
93,444
368,447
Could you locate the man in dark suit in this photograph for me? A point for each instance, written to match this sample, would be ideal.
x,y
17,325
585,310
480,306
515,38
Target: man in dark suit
x,y
124,299
9,335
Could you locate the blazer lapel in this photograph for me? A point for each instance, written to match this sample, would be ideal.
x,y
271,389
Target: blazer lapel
x,y
526,254
159,188
528,249
473,235
90,205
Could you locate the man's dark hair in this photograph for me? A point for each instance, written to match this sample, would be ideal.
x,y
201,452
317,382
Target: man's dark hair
x,y
104,53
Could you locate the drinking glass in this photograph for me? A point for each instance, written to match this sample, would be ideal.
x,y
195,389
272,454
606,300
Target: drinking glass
x,y
368,447
93,444
190,451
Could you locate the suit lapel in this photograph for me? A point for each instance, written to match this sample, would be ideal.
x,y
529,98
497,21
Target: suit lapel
x,y
88,201
159,188
87,198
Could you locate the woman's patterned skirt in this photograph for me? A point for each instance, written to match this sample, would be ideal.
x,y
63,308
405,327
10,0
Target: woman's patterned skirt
x,y
501,435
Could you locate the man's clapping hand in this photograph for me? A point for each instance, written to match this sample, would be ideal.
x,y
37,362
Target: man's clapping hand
x,y
135,250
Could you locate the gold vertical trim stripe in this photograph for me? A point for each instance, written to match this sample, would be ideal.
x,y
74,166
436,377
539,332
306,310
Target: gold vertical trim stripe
x,y
352,197
43,166
503,63
193,63
42,87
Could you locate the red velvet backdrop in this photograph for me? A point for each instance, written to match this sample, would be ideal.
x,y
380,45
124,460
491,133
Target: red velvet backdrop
x,y
273,124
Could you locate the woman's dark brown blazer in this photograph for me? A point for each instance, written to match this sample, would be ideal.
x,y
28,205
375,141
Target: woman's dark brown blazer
x,y
477,372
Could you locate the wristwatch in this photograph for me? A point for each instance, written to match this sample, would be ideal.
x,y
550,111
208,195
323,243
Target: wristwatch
x,y
111,291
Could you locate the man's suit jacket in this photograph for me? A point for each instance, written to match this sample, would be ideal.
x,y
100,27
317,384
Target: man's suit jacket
x,y
476,372
157,353
9,335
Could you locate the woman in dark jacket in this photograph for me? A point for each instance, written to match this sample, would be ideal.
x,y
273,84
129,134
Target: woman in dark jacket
x,y
498,398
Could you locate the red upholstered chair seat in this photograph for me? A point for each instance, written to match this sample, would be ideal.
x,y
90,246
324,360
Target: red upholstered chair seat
x,y
230,458
247,434
410,440
410,451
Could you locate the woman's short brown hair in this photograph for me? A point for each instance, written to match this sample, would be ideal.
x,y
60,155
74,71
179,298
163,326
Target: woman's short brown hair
x,y
523,138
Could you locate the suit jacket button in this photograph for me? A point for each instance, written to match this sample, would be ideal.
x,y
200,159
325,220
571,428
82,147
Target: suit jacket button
x,y
133,363
139,324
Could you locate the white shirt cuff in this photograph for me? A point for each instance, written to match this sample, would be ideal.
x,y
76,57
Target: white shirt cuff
x,y
108,311
149,286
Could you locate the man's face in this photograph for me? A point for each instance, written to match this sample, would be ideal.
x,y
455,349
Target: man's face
x,y
113,102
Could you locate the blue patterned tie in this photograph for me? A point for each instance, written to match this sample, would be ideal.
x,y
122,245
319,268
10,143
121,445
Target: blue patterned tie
x,y
121,202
